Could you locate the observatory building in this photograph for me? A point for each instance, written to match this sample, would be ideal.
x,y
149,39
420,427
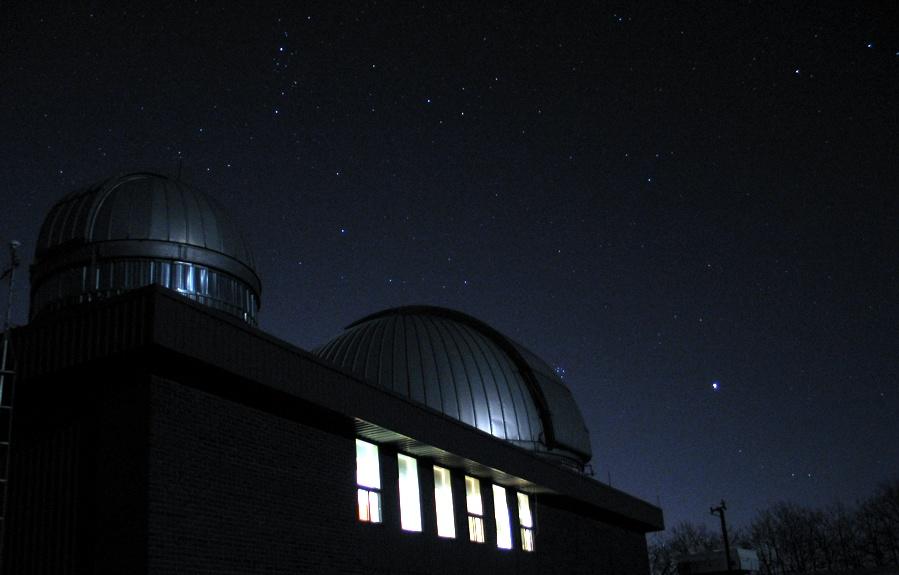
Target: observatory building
x,y
156,429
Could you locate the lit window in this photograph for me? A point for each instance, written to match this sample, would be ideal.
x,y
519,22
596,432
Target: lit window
x,y
475,509
503,523
368,481
526,520
410,503
443,498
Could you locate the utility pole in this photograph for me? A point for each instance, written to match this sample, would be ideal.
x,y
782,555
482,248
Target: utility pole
x,y
719,511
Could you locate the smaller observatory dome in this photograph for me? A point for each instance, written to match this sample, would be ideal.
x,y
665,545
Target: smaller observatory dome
x,y
462,367
140,229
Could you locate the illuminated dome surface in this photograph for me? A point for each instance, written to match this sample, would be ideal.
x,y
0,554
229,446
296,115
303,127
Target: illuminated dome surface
x,y
141,229
462,367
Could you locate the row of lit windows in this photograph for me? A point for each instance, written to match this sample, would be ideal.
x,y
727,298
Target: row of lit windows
x,y
368,481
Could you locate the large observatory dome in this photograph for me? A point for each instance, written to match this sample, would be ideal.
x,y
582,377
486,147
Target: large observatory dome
x,y
142,229
465,369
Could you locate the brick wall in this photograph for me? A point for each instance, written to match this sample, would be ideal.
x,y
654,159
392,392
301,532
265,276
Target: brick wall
x,y
235,489
135,473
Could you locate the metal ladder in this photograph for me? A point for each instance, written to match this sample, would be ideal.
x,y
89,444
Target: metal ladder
x,y
7,388
7,382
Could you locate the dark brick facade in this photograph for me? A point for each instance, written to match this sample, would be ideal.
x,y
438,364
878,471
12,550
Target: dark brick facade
x,y
173,440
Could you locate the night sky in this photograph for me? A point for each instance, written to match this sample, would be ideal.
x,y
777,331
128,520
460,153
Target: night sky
x,y
689,208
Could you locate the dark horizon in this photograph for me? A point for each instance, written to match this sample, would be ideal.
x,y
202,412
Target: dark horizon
x,y
690,211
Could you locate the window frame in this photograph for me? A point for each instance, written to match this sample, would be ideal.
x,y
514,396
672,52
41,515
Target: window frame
x,y
476,523
526,522
372,493
443,503
503,522
409,487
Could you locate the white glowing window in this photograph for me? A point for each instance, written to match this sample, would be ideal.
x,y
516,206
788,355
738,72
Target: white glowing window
x,y
475,506
526,520
369,505
368,480
503,523
410,502
443,499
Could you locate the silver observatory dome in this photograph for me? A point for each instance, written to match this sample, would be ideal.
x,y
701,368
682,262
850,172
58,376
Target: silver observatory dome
x,y
140,229
465,369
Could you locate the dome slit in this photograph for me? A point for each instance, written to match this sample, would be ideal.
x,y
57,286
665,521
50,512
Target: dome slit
x,y
98,203
129,219
385,380
466,387
400,377
176,202
44,238
453,392
510,415
65,227
414,363
197,222
345,347
367,330
521,395
370,358
489,401
430,378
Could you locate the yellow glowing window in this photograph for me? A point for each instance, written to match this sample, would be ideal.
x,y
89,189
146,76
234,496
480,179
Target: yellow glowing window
x,y
368,482
526,521
443,499
475,506
410,501
503,522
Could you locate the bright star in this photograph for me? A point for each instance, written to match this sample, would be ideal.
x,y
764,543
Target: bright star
x,y
715,385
